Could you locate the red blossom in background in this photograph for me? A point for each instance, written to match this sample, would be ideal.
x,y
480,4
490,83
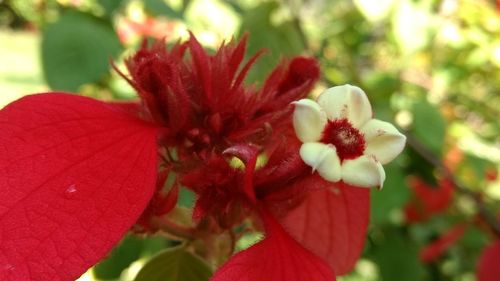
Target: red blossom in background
x,y
438,247
488,267
428,200
77,174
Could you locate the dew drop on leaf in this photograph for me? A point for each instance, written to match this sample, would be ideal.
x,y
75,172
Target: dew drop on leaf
x,y
71,191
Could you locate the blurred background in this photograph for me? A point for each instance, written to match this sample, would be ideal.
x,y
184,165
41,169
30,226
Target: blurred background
x,y
431,66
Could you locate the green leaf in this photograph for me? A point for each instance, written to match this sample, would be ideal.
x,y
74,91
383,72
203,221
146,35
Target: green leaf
x,y
397,257
429,126
76,50
110,6
279,40
478,165
174,264
154,244
392,197
128,251
160,8
186,198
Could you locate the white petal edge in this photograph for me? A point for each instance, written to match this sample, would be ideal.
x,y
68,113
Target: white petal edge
x,y
364,171
309,120
348,102
383,140
322,158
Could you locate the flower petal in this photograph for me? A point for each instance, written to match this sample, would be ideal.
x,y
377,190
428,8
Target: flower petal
x,y
364,171
383,140
346,101
278,257
309,120
323,158
75,175
332,222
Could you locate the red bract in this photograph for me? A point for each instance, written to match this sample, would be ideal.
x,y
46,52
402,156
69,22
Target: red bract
x,y
62,205
76,173
488,268
332,223
277,257
428,200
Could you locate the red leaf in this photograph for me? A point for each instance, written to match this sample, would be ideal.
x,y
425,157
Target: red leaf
x,y
488,268
75,174
278,257
332,224
434,250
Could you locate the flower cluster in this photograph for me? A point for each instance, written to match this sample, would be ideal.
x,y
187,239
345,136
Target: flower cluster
x,y
76,174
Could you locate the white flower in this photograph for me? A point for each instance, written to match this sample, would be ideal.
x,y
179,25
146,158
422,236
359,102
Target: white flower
x,y
341,140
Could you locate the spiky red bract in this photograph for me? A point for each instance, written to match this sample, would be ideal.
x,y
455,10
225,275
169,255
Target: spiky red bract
x,y
278,257
75,174
203,99
488,268
438,247
332,223
428,200
205,96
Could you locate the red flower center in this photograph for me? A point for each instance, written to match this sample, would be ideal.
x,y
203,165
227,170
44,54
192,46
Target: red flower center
x,y
348,141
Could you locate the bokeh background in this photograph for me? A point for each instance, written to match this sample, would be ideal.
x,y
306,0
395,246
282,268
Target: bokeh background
x,y
431,66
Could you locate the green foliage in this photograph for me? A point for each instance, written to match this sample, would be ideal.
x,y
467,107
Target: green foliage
x,y
160,8
279,40
130,249
174,264
186,198
76,49
111,6
121,257
396,257
386,206
429,126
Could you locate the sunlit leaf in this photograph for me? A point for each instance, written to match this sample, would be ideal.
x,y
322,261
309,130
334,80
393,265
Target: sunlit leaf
x,y
411,25
120,258
375,10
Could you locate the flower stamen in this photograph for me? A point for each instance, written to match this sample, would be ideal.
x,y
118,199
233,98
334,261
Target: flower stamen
x,y
348,141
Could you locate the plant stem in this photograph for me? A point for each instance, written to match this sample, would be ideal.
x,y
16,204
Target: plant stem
x,y
173,228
